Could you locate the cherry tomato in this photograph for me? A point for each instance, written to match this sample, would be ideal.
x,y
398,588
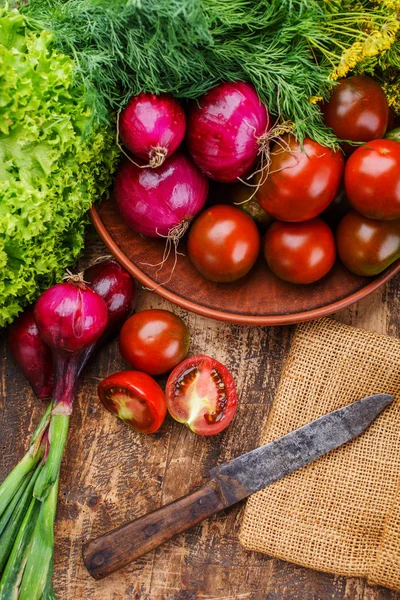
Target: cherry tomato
x,y
301,183
357,110
201,393
223,243
243,197
300,252
372,179
154,341
366,246
135,398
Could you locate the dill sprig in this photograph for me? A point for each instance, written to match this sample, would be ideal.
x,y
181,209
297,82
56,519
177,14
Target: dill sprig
x,y
290,49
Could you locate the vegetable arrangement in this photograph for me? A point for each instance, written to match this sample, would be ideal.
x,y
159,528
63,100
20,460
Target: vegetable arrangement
x,y
239,93
52,343
67,324
297,183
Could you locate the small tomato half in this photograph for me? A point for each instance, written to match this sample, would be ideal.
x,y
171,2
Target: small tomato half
x,y
201,394
135,398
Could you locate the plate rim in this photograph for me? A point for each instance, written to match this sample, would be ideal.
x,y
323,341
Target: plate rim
x,y
265,321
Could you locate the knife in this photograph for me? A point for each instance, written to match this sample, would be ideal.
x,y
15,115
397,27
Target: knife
x,y
230,483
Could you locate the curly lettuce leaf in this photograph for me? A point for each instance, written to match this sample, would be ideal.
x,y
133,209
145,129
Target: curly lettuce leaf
x,y
53,164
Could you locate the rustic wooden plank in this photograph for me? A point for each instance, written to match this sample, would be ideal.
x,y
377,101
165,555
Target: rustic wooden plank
x,y
111,474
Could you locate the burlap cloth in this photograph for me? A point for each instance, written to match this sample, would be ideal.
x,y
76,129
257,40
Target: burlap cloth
x,y
340,514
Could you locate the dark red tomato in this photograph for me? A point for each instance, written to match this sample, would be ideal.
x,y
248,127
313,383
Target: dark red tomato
x,y
357,110
301,183
223,243
201,393
154,341
300,252
372,179
366,246
135,398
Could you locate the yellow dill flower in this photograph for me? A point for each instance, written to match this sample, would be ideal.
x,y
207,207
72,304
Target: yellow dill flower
x,y
377,42
392,91
393,5
315,99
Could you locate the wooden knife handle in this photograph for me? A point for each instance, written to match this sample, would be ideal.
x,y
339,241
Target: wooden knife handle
x,y
117,548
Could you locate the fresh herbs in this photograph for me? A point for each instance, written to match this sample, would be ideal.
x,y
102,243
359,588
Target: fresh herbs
x,y
289,49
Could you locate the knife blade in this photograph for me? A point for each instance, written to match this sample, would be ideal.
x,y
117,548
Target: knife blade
x,y
231,482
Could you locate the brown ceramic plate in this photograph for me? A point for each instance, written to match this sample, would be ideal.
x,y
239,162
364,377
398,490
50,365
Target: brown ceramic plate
x,y
260,298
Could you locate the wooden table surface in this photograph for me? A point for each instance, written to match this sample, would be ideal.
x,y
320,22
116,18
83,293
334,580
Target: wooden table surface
x,y
111,474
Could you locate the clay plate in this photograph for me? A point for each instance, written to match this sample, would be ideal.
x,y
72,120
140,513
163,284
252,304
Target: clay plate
x,y
260,298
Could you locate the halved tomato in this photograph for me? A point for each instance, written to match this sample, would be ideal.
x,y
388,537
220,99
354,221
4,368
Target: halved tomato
x,y
201,393
135,398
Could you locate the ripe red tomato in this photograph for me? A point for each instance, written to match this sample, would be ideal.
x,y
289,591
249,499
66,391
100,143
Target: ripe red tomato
x,y
135,398
372,179
201,393
366,246
357,110
301,183
223,243
300,252
154,341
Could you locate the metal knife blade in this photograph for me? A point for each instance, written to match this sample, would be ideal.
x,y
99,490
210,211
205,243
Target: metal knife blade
x,y
230,483
258,468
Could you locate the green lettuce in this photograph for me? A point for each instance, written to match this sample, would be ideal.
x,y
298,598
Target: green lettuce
x,y
54,163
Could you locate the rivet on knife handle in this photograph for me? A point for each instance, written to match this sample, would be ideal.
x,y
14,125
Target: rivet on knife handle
x,y
116,549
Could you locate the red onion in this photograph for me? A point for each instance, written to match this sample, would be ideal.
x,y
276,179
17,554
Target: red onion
x,y
152,127
117,288
70,316
163,201
31,353
225,128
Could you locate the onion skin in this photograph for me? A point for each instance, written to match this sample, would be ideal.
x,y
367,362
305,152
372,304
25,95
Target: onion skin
x,y
152,127
223,128
116,287
155,201
118,290
32,355
70,316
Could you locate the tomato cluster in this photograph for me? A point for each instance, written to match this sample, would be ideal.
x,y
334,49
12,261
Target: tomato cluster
x,y
303,188
200,391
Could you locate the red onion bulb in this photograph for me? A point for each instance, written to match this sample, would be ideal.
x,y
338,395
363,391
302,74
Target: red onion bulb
x,y
31,353
224,127
163,201
152,127
70,316
116,287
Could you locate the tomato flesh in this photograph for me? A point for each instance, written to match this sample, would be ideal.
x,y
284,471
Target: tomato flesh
x,y
135,398
201,394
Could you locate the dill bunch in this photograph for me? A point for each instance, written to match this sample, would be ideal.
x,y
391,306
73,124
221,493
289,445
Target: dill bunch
x,y
289,49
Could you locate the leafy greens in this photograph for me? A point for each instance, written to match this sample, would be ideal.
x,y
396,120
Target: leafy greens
x,y
53,163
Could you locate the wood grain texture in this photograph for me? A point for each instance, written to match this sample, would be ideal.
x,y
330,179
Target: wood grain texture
x,y
111,474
